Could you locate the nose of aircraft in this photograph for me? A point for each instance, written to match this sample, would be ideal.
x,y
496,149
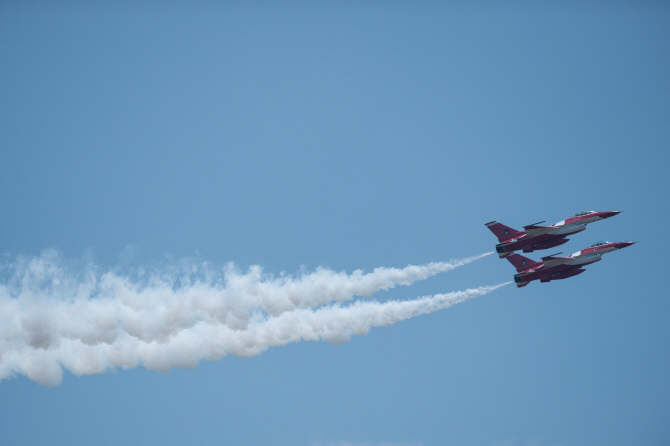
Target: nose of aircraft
x,y
609,214
622,245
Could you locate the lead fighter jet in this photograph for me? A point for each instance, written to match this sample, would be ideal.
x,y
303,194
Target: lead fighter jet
x,y
542,237
556,268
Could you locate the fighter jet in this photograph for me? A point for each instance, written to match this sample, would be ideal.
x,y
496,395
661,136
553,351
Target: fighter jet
x,y
556,268
535,237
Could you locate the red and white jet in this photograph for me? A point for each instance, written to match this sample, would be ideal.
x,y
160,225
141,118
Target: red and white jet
x,y
556,268
542,237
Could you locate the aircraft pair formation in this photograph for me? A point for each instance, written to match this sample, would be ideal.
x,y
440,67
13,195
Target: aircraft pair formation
x,y
535,237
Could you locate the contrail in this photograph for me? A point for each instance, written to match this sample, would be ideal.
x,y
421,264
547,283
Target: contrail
x,y
86,322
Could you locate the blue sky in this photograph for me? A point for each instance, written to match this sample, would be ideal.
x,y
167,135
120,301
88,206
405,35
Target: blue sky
x,y
351,136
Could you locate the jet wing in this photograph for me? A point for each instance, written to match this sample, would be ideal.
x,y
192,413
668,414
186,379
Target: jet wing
x,y
554,260
534,230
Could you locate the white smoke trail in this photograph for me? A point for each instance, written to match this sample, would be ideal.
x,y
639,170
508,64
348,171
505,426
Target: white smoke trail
x,y
52,318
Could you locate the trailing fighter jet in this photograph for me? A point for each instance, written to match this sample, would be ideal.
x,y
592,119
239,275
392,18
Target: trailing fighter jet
x,y
556,268
535,237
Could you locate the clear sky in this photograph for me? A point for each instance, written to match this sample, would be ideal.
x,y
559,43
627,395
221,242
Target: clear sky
x,y
351,135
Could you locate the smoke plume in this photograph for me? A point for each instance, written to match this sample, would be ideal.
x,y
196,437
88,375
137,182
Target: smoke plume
x,y
55,317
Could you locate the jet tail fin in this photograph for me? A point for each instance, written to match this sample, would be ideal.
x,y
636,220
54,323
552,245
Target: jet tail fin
x,y
502,232
522,263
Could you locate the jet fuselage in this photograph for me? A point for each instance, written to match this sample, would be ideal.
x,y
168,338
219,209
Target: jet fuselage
x,y
535,237
556,268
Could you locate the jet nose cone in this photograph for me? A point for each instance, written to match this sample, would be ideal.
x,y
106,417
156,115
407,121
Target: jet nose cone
x,y
609,214
624,244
